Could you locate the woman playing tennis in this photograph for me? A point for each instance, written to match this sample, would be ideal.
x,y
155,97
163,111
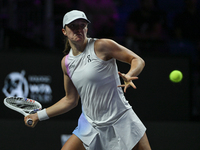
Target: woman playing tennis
x,y
107,122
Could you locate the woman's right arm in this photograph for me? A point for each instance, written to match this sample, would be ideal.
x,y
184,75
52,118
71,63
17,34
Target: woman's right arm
x,y
71,97
68,102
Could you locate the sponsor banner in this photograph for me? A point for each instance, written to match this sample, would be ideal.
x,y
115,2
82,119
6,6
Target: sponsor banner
x,y
37,87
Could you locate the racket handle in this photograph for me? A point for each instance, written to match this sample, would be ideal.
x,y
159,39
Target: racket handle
x,y
29,121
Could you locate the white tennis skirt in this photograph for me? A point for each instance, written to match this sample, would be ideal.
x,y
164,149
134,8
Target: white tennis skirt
x,y
124,134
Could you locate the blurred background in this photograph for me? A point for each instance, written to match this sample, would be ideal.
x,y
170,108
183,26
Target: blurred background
x,y
165,33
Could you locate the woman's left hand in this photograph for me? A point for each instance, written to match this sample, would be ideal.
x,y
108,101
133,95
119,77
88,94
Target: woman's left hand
x,y
127,81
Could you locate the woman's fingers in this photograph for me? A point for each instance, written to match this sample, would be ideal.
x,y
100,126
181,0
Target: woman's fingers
x,y
127,81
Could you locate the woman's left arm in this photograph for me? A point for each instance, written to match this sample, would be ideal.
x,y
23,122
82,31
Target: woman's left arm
x,y
107,49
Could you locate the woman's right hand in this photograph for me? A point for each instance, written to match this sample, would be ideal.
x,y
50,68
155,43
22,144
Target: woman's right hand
x,y
33,117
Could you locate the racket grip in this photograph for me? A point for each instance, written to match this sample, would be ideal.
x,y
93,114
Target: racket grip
x,y
29,121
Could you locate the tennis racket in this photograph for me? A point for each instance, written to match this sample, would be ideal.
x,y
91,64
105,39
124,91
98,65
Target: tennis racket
x,y
24,106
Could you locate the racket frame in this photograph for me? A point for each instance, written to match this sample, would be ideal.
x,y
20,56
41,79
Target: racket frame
x,y
22,111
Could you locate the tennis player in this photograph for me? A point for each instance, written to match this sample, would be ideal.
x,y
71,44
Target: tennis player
x,y
107,122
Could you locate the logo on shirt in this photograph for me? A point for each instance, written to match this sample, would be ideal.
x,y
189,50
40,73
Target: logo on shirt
x,y
89,59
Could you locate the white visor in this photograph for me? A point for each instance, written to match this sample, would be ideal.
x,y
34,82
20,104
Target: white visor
x,y
74,15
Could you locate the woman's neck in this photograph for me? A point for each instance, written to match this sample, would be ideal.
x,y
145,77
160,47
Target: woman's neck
x,y
78,48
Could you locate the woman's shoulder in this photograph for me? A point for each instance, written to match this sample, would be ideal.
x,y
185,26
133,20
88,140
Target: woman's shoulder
x,y
104,48
63,65
103,43
63,60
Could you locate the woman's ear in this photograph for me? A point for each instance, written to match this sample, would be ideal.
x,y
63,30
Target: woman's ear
x,y
64,32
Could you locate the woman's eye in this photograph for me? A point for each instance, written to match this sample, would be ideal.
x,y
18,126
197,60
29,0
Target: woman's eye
x,y
83,25
77,26
72,26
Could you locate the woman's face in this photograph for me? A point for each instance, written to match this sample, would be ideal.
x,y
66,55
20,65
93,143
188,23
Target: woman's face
x,y
76,30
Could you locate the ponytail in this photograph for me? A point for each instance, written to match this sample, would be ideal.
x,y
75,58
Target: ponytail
x,y
67,46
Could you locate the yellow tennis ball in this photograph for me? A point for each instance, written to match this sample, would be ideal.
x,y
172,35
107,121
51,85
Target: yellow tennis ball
x,y
176,76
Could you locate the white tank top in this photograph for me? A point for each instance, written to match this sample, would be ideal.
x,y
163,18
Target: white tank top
x,y
96,81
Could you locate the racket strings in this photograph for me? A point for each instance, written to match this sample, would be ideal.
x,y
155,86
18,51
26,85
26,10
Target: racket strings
x,y
21,103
